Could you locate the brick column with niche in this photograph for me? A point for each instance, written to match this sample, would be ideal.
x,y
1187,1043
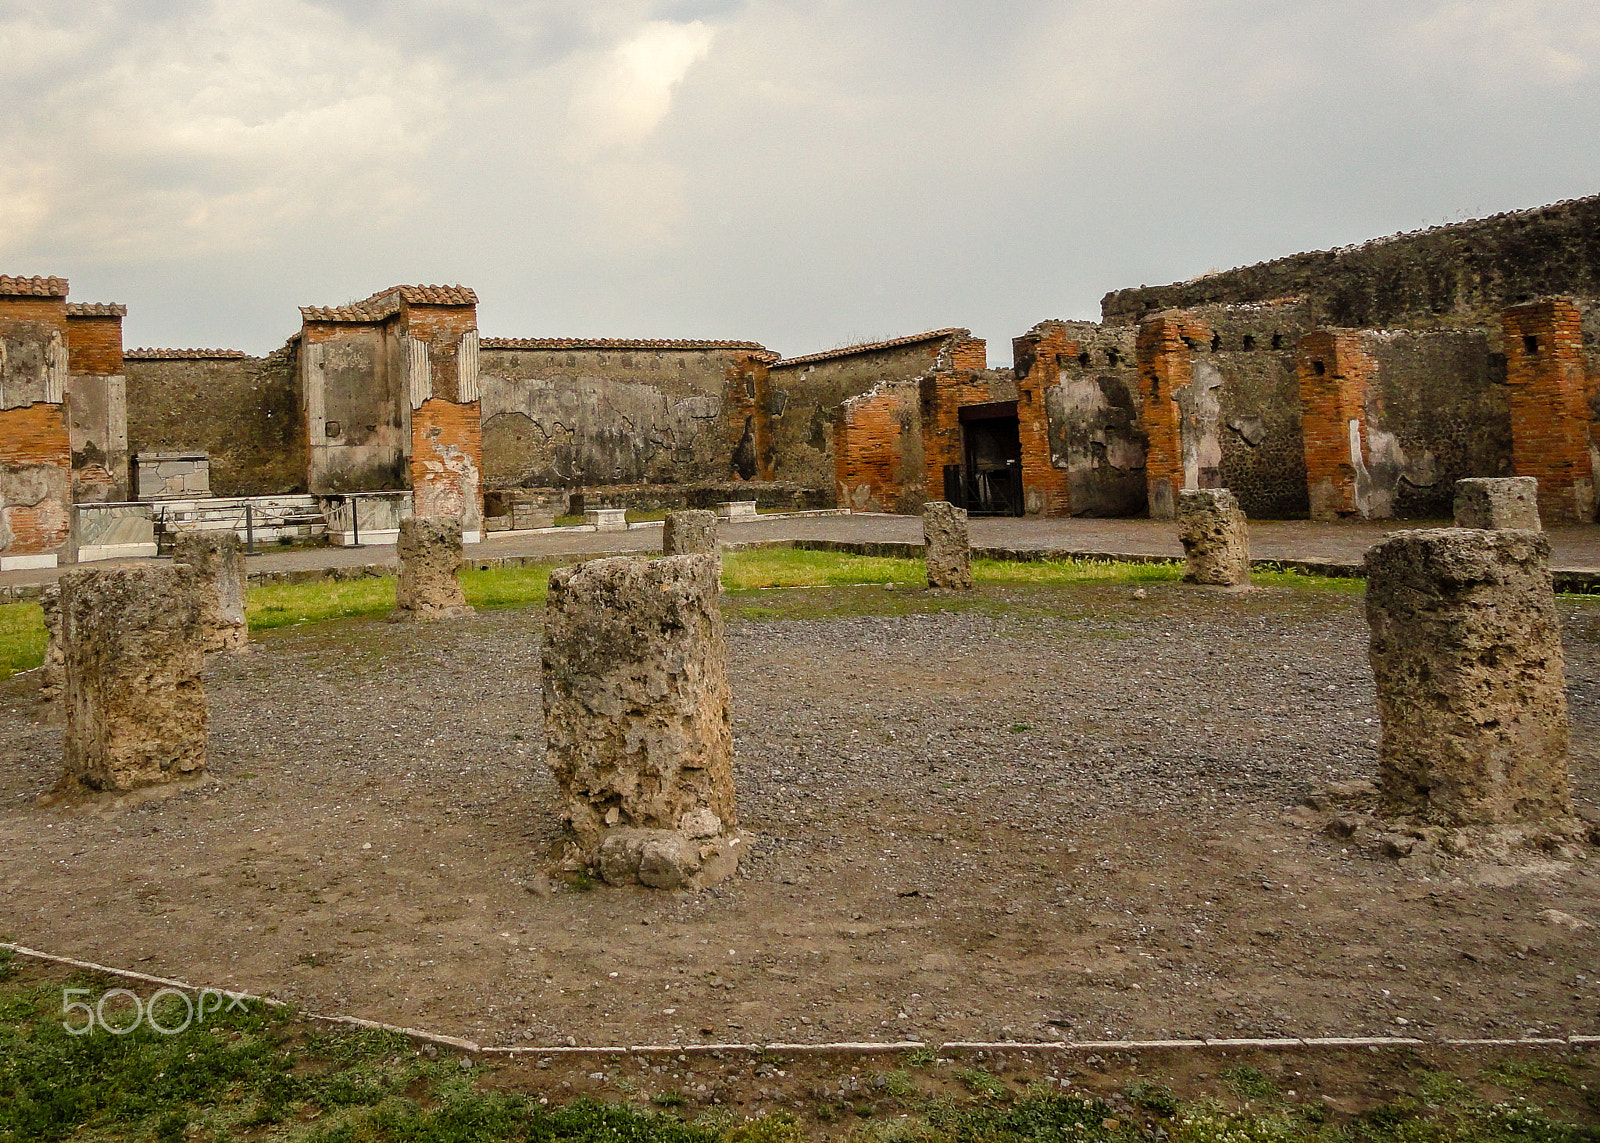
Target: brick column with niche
x,y
1334,371
1165,354
1550,415
35,448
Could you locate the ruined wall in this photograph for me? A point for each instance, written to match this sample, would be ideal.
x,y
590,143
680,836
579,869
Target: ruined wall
x,y
805,393
1552,396
244,411
1392,419
437,337
942,394
1457,275
1092,461
877,449
97,403
559,412
1221,402
357,419
35,449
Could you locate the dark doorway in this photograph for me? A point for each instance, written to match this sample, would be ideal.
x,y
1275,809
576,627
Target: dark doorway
x,y
991,483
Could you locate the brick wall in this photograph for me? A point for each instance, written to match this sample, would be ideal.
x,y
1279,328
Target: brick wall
x,y
1334,371
35,449
94,344
446,461
35,478
877,450
1165,359
1550,414
940,396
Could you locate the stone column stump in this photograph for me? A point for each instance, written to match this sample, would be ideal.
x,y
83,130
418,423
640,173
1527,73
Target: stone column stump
x,y
430,555
639,737
944,546
1215,536
1498,502
54,677
218,562
132,653
685,533
1466,655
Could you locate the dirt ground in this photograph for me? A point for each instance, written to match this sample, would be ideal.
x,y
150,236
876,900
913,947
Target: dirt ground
x,y
1052,813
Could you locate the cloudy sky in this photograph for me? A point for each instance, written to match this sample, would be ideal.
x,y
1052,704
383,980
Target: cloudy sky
x,y
804,173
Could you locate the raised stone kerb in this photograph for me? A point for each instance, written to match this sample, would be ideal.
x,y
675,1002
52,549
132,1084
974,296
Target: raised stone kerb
x,y
1498,502
684,533
1215,536
218,563
429,548
945,547
1466,655
638,732
132,653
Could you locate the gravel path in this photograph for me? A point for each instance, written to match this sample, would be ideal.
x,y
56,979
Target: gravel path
x,y
1040,813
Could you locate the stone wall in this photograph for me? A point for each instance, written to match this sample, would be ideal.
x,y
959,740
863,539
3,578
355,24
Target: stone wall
x,y
1392,419
356,420
1457,275
1093,460
562,412
1220,398
804,395
243,411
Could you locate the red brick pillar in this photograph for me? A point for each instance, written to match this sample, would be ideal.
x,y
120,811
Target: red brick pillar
x,y
1550,417
1038,354
1335,370
1166,365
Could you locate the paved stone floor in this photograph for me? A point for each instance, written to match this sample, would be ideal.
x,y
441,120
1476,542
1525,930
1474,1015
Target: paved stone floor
x,y
1575,547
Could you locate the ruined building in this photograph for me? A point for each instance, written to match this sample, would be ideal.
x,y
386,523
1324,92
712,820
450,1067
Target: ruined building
x,y
1355,382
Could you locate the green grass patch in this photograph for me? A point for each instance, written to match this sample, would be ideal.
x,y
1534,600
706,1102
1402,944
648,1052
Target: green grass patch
x,y
283,604
22,638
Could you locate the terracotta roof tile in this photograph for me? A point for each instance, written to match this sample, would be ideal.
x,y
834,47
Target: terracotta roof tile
x,y
96,309
645,343
181,354
893,342
385,302
34,287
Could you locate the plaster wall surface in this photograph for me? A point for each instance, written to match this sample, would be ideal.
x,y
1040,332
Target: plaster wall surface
x,y
357,420
575,415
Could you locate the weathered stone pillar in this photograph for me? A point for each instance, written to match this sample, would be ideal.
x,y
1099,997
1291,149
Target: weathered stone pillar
x,y
1215,536
132,652
687,532
636,717
1466,654
944,545
53,678
430,555
218,562
1498,502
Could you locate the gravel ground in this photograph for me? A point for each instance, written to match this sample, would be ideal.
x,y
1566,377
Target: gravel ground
x,y
1035,813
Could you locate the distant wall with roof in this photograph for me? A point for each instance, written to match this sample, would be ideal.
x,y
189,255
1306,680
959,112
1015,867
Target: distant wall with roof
x,y
810,399
566,412
1456,275
245,411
